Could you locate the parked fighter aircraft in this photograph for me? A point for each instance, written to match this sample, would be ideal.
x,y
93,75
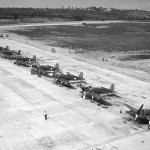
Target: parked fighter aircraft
x,y
25,61
45,70
96,93
143,114
68,79
10,54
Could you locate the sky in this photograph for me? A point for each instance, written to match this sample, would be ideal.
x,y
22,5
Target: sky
x,y
124,4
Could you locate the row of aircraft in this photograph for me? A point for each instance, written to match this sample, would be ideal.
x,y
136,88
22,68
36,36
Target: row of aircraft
x,y
93,93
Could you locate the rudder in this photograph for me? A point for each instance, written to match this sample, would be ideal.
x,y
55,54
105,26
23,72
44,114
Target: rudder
x,y
112,87
34,58
19,52
57,66
81,75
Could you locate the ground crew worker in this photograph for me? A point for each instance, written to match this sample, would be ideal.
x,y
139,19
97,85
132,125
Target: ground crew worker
x,y
45,115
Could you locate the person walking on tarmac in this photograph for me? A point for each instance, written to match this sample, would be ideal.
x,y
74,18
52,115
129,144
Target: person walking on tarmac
x,y
45,115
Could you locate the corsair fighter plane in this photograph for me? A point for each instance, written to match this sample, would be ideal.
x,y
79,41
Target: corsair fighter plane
x,y
25,61
143,114
96,93
10,54
45,70
68,79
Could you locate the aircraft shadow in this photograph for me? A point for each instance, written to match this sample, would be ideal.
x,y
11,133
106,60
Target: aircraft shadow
x,y
70,86
101,101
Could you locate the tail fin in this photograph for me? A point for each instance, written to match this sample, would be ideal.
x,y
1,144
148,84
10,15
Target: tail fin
x,y
7,47
57,66
34,57
19,52
81,75
112,87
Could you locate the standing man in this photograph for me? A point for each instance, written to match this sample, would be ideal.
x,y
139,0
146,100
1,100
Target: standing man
x,y
45,115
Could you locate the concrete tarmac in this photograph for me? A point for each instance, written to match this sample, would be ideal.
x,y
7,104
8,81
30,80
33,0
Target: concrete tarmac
x,y
73,123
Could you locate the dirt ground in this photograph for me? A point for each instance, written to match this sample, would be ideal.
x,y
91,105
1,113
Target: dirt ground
x,y
73,123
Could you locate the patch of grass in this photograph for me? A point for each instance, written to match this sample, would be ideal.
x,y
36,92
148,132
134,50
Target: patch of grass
x,y
117,37
135,57
7,22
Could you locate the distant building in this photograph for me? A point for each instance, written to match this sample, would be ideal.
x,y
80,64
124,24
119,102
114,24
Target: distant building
x,y
91,8
107,9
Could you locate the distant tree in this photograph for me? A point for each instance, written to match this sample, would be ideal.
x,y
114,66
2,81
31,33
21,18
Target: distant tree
x,y
78,18
15,16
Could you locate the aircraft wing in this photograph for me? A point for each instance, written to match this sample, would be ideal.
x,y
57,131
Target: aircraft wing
x,y
100,99
147,111
96,95
107,94
64,81
74,81
131,108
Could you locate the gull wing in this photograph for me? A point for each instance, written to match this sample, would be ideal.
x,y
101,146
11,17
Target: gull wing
x,y
131,108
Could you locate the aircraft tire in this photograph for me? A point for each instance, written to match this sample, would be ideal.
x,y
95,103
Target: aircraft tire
x,y
60,85
92,101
